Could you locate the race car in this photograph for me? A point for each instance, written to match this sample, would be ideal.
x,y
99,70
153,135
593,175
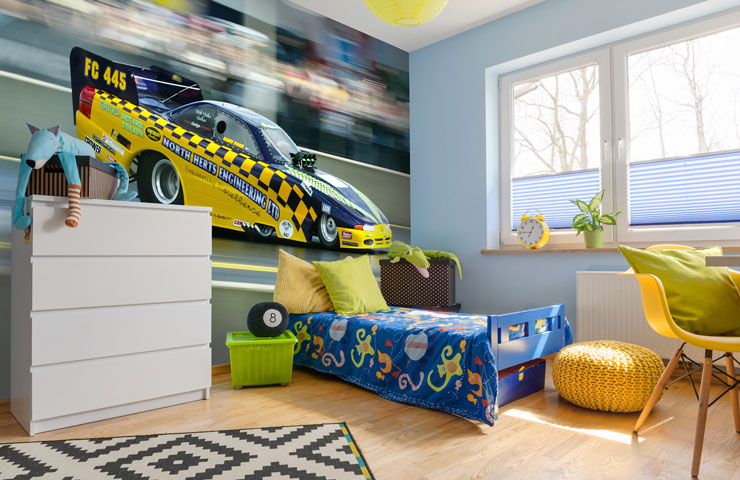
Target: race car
x,y
190,151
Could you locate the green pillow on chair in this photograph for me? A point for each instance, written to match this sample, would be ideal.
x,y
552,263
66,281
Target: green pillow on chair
x,y
352,287
702,300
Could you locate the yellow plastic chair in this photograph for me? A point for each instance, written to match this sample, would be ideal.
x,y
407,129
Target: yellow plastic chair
x,y
658,315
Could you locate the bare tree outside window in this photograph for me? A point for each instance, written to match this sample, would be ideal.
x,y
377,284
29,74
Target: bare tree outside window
x,y
556,123
674,114
683,98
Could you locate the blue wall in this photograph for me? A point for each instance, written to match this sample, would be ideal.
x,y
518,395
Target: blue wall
x,y
454,146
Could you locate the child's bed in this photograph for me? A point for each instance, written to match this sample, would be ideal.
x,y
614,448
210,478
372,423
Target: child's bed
x,y
442,361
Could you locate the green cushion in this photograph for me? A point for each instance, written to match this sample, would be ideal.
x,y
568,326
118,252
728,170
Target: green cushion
x,y
352,287
702,300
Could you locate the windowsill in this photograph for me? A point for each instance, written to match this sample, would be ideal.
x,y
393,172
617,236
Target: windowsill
x,y
523,250
518,250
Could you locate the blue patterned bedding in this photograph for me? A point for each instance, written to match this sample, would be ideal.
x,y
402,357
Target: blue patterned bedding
x,y
433,360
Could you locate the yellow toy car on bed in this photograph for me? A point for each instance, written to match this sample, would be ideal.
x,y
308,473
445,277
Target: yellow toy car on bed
x,y
190,151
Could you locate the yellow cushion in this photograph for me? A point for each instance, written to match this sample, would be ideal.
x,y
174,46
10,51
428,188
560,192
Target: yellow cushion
x,y
299,286
352,286
702,300
606,375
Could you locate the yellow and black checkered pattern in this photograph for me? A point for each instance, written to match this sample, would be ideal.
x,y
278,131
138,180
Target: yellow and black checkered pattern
x,y
279,187
332,192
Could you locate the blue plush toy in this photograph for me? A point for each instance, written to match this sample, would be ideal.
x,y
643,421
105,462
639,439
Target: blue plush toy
x,y
44,143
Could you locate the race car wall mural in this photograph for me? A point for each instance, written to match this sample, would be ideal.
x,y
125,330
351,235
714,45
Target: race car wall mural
x,y
187,150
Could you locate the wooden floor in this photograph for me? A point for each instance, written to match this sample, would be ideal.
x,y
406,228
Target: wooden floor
x,y
539,437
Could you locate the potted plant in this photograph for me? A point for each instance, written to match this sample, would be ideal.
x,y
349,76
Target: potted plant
x,y
591,221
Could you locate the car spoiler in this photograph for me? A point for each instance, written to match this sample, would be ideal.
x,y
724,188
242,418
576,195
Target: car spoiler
x,y
155,88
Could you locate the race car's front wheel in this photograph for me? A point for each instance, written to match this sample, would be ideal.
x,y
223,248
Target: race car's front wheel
x,y
158,181
328,233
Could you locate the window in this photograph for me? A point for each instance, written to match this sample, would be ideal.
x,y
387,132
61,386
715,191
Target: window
x,y
678,109
234,134
554,142
197,119
668,155
213,124
279,143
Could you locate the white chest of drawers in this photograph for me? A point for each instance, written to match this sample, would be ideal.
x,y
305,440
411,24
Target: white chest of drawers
x,y
112,317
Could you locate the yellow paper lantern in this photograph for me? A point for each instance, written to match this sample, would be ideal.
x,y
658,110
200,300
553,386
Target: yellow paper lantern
x,y
405,13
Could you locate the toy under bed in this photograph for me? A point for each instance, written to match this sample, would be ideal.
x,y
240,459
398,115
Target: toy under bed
x,y
436,360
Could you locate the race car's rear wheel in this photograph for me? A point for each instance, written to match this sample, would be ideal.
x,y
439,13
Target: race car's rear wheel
x,y
328,233
158,181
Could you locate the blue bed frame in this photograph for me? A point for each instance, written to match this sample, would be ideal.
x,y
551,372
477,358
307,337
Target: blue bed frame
x,y
515,338
530,345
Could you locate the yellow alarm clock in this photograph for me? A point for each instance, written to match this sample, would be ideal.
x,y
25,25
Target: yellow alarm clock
x,y
533,231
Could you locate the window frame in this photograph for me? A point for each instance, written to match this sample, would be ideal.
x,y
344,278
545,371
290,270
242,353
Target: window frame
x,y
275,154
614,118
621,51
219,140
600,57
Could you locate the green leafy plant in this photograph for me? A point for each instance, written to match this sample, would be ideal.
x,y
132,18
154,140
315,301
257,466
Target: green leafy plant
x,y
591,219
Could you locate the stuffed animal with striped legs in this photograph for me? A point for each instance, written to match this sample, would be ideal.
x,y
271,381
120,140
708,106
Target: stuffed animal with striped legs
x,y
44,143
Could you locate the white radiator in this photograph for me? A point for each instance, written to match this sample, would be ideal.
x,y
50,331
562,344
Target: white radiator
x,y
609,307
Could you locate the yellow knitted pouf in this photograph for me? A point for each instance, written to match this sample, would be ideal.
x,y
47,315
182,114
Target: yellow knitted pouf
x,y
606,375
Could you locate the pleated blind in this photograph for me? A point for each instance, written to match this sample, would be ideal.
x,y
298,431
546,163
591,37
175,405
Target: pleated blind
x,y
550,194
693,190
679,191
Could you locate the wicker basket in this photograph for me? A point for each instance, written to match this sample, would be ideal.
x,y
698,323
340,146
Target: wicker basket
x,y
402,284
98,179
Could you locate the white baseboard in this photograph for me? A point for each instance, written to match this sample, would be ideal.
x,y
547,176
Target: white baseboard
x,y
111,412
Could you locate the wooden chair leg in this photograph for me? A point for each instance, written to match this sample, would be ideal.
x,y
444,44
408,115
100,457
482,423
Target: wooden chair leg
x,y
733,394
701,418
655,396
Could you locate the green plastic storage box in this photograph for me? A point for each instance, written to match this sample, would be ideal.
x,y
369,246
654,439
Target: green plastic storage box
x,y
260,360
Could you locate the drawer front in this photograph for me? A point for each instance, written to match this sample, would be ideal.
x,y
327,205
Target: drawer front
x,y
118,228
80,334
83,282
89,385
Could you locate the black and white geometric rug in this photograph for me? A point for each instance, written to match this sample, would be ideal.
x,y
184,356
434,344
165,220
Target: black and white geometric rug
x,y
313,452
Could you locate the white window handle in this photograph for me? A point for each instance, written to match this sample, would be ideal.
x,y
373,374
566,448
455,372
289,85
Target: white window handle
x,y
606,150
